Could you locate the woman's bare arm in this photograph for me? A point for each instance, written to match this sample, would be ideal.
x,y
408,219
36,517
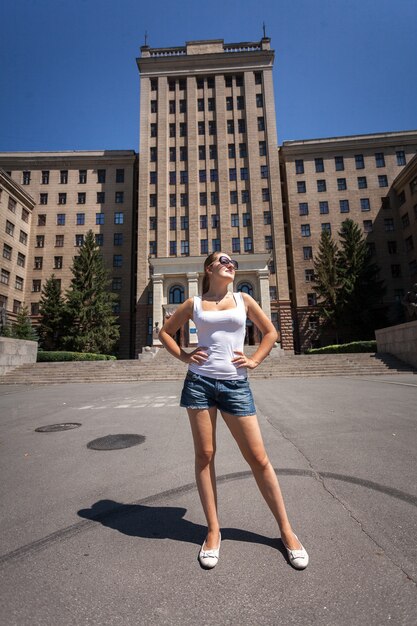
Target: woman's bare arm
x,y
182,315
269,335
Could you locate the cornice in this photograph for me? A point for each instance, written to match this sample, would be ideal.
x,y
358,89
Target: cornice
x,y
65,158
406,174
187,65
16,190
352,142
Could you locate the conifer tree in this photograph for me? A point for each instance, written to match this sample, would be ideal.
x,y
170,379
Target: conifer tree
x,y
22,328
52,315
92,326
327,282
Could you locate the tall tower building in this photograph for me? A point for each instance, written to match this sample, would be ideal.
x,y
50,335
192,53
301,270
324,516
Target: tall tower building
x,y
208,180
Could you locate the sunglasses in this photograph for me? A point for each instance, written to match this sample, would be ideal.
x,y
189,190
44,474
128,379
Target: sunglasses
x,y
224,260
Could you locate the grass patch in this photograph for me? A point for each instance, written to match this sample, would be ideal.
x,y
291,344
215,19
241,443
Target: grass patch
x,y
354,346
49,355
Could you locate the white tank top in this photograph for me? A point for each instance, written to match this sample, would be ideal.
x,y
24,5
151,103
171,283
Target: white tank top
x,y
221,332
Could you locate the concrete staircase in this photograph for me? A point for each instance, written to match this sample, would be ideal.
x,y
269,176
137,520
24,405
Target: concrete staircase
x,y
164,367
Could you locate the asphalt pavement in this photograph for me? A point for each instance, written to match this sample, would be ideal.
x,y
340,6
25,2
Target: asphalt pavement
x,y
111,536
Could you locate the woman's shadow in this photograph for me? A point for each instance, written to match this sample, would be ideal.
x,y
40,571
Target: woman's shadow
x,y
164,522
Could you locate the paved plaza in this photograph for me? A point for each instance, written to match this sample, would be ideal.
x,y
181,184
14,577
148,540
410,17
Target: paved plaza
x,y
112,536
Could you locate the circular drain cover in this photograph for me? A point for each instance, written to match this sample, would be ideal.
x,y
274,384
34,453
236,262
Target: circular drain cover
x,y
115,442
53,428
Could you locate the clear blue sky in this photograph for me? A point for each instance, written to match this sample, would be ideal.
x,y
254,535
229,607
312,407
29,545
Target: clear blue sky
x,y
69,79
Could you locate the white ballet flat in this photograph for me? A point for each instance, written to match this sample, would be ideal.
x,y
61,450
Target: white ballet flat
x,y
209,558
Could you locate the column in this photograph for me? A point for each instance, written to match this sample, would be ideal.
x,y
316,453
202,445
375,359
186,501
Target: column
x,y
263,281
158,315
192,278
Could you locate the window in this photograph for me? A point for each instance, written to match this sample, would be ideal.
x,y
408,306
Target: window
x,y
243,150
58,262
385,202
171,85
38,263
371,249
43,199
405,220
299,166
152,250
116,284
172,177
203,221
232,173
305,230
119,217
153,177
246,219
365,204
183,177
341,184
25,215
19,283
321,185
400,154
172,130
244,173
264,171
203,199
117,260
301,186
311,299
171,106
152,200
265,194
268,242
202,176
154,106
200,104
362,183
101,197
7,251
230,127
392,247
240,103
339,163
60,219
412,266
267,217
26,178
319,165
9,228
261,123
34,308
183,106
185,248
17,305
212,127
307,253
309,275
324,207
413,186
303,208
81,198
5,277
228,81
183,129
153,154
183,199
63,177
152,223
233,197
239,80
201,152
344,206
154,131
82,177
235,244
183,153
203,246
100,219
409,244
389,224
215,220
119,196
184,222
245,196
241,126
234,220
62,198
396,270
213,175
201,128
172,248
80,221
99,239
211,104
383,180
59,241
326,226
210,82
172,222
23,238
259,100
262,148
247,244
101,176
379,159
367,226
258,78
359,161
79,240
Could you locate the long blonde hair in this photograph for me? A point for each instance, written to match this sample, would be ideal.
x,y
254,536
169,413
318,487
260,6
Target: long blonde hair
x,y
206,279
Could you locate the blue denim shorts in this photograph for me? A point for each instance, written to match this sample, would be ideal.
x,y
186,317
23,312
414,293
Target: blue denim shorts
x,y
231,396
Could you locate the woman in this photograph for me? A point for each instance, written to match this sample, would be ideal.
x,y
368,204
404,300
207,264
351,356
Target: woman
x,y
217,379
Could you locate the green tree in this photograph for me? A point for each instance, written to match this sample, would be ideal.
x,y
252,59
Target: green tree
x,y
52,315
327,283
92,325
362,289
22,328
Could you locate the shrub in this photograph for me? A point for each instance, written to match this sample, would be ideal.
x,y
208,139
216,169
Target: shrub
x,y
44,356
354,346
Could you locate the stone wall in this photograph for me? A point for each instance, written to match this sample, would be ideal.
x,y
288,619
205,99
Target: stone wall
x,y
401,341
15,352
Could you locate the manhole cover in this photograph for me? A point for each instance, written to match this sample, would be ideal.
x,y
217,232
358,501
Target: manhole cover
x,y
115,442
53,428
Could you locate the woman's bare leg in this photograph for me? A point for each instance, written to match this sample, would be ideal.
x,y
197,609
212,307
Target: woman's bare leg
x,y
247,434
203,428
